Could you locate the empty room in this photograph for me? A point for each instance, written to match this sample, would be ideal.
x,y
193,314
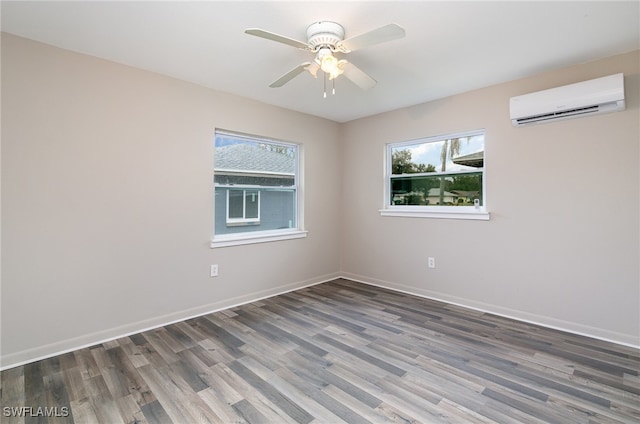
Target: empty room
x,y
320,212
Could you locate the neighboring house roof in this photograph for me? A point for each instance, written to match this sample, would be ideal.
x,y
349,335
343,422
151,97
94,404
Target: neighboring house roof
x,y
435,192
475,160
252,158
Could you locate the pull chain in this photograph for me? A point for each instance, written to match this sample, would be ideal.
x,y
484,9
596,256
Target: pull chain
x,y
324,80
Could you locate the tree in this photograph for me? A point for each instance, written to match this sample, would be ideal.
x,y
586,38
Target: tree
x,y
469,182
401,162
421,167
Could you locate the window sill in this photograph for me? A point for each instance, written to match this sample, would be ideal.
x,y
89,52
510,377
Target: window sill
x,y
240,223
262,237
421,212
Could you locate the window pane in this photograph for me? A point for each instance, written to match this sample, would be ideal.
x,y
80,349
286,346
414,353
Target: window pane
x,y
437,171
258,179
454,154
252,204
277,211
243,161
437,190
236,209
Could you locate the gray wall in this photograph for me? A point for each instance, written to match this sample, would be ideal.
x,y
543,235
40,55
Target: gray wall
x,y
562,245
107,205
107,201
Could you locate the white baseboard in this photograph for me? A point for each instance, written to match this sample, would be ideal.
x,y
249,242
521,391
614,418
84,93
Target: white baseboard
x,y
544,321
64,346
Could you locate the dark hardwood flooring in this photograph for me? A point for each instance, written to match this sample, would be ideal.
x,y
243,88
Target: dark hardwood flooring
x,y
336,352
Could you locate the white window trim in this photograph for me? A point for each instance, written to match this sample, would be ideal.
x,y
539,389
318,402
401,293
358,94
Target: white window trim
x,y
226,240
254,237
244,219
461,212
442,212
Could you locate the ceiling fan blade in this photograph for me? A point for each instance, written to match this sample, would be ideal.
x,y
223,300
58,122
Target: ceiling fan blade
x,y
290,75
313,68
376,36
277,37
358,76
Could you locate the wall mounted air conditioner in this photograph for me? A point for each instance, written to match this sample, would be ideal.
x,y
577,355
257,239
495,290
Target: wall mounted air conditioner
x,y
600,95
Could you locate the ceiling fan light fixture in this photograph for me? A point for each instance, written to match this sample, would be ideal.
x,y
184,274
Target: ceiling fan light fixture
x,y
329,63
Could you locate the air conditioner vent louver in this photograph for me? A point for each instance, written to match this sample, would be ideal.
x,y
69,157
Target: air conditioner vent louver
x,y
600,95
555,115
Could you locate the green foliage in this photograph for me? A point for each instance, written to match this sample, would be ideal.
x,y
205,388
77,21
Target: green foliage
x,y
401,163
466,183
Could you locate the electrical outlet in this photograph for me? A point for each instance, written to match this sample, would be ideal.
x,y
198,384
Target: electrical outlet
x,y
431,262
214,270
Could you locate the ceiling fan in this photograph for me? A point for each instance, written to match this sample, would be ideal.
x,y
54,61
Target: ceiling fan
x,y
324,39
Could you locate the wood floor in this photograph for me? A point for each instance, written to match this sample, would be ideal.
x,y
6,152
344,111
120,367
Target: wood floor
x,y
335,352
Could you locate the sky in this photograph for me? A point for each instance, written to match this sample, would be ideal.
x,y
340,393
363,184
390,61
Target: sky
x,y
429,152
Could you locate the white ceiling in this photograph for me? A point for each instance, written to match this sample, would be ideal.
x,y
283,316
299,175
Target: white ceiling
x,y
450,47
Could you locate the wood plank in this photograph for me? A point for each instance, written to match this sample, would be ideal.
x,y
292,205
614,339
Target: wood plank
x,y
127,378
268,391
268,405
102,403
134,353
211,397
130,411
155,413
181,405
56,397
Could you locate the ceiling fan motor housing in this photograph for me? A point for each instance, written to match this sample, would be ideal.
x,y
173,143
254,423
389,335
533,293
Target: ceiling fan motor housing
x,y
325,34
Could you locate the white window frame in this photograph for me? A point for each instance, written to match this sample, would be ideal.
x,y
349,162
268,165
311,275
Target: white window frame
x,y
244,220
479,212
235,239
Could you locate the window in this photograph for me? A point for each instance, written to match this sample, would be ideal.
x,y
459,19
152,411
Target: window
x,y
243,206
256,185
441,177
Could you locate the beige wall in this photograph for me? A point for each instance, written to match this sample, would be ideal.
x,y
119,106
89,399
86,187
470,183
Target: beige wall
x,y
562,245
107,205
107,201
